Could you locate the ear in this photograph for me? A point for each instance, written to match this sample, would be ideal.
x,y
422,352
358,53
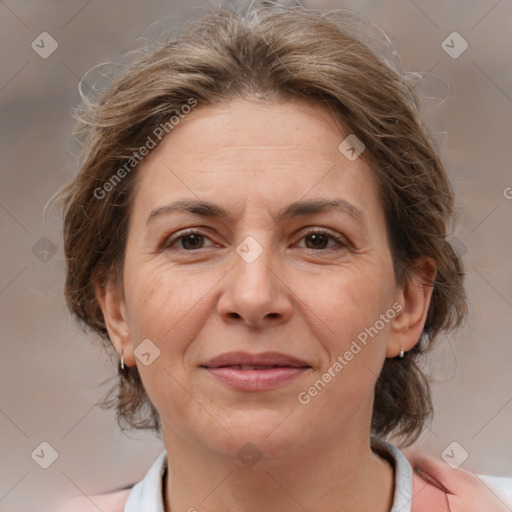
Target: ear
x,y
407,326
111,300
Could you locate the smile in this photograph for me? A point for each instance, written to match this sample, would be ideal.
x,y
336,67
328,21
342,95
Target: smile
x,y
254,377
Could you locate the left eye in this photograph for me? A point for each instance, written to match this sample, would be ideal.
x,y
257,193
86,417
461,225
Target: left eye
x,y
319,237
191,240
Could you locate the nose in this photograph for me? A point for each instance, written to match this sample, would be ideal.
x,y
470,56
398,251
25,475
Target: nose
x,y
255,292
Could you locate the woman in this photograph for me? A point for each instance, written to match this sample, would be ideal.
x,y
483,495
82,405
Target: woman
x,y
267,360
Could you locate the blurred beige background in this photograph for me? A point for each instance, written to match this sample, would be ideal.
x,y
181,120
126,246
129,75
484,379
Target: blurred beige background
x,y
51,372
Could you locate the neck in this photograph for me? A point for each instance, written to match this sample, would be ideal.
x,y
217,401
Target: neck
x,y
344,475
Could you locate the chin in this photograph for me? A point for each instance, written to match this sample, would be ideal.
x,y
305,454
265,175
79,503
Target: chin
x,y
265,434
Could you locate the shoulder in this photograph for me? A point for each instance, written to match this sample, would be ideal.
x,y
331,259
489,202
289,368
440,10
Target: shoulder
x,y
437,487
427,496
109,502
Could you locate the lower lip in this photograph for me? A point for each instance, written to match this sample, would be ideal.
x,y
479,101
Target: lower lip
x,y
256,380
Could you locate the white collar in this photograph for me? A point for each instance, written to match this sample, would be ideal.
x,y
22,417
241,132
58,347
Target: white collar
x,y
148,494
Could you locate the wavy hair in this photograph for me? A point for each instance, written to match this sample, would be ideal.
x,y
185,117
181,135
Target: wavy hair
x,y
271,52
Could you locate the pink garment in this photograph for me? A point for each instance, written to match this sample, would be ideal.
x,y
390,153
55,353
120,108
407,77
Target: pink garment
x,y
427,497
111,502
436,488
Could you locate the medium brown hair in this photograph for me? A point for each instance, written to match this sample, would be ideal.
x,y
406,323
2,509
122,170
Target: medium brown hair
x,y
271,52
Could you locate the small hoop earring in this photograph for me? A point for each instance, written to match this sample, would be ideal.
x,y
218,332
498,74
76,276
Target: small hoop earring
x,y
122,361
402,353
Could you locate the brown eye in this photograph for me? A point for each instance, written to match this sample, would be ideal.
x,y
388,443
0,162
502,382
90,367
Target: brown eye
x,y
192,241
319,240
187,240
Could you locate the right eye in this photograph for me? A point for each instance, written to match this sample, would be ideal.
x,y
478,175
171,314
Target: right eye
x,y
190,237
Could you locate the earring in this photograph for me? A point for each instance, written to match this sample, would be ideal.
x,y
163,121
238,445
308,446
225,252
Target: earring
x,y
122,360
402,353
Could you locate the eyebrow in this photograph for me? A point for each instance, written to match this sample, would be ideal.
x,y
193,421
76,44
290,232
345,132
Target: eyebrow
x,y
296,209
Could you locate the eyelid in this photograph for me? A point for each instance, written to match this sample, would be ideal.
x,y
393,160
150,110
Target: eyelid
x,y
171,239
341,241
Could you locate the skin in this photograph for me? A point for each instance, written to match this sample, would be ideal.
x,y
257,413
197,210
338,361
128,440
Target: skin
x,y
311,301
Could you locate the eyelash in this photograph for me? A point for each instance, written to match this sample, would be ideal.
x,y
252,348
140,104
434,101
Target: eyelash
x,y
318,231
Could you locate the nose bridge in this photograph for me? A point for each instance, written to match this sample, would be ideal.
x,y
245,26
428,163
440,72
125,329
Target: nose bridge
x,y
254,261
254,292
255,248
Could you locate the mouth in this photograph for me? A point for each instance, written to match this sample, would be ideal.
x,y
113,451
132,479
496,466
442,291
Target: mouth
x,y
248,372
255,366
263,360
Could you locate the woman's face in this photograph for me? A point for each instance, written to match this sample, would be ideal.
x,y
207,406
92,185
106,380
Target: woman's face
x,y
262,278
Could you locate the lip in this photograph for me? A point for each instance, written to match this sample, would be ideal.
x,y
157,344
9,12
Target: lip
x,y
240,371
263,359
255,380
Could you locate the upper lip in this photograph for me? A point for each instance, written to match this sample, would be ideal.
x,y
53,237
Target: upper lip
x,y
247,359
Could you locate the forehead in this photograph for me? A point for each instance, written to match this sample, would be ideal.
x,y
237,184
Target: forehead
x,y
263,153
254,125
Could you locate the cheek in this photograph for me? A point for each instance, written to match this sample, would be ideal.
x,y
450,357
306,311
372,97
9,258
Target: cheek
x,y
147,301
163,307
355,314
349,300
166,304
